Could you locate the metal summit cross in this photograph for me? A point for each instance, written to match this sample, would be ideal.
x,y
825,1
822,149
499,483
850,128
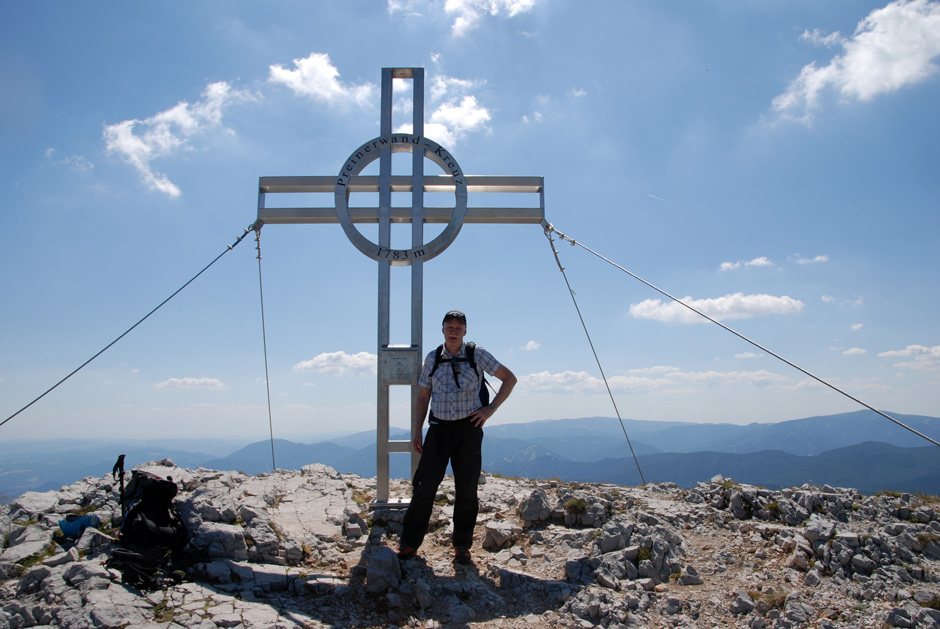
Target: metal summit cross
x,y
399,364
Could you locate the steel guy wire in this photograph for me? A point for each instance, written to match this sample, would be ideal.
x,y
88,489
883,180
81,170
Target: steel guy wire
x,y
591,343
548,227
144,318
264,342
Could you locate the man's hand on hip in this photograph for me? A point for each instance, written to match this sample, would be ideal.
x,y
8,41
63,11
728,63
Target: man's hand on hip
x,y
479,416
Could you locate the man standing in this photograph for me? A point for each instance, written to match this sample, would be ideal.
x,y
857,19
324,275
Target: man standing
x,y
451,384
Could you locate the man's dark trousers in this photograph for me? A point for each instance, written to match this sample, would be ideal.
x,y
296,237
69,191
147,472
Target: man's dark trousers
x,y
459,442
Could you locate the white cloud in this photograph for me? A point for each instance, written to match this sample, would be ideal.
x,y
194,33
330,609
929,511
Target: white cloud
x,y
657,369
192,383
893,47
567,381
922,358
730,266
443,87
456,111
338,363
469,13
408,7
169,131
531,346
857,326
854,303
536,117
746,355
644,380
761,261
818,38
710,378
453,120
583,382
73,162
315,76
736,306
854,351
801,260
454,108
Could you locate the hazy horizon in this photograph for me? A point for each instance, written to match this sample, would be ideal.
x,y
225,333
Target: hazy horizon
x,y
305,437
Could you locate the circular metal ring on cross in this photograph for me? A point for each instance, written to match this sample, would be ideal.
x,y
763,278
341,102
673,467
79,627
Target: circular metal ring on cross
x,y
401,142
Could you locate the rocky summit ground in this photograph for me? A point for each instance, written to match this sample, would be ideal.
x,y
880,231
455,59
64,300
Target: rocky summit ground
x,y
306,549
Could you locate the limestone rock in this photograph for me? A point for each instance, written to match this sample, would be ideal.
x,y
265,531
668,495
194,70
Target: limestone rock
x,y
298,549
742,604
535,508
383,571
500,534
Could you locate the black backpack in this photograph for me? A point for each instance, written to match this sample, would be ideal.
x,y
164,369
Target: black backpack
x,y
150,517
469,358
152,531
150,569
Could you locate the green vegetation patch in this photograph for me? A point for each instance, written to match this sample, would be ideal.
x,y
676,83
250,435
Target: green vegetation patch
x,y
933,603
29,562
576,506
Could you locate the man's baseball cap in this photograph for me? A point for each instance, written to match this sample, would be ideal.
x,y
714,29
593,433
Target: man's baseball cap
x,y
455,314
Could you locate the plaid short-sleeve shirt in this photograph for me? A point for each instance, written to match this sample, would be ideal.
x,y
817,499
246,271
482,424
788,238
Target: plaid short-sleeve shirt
x,y
449,401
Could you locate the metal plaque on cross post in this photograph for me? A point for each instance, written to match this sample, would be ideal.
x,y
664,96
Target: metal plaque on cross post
x,y
399,364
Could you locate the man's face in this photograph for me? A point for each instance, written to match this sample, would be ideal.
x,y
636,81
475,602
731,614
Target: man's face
x,y
454,331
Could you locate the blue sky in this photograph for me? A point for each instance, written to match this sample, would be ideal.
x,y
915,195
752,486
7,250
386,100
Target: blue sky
x,y
773,163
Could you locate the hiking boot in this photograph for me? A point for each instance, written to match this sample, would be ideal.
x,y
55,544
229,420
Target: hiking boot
x,y
461,554
406,552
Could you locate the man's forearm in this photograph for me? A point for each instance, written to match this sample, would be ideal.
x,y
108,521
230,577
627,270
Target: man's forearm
x,y
505,388
421,412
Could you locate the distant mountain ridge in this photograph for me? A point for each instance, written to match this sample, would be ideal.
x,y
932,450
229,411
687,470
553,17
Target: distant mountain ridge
x,y
811,435
869,467
48,465
859,449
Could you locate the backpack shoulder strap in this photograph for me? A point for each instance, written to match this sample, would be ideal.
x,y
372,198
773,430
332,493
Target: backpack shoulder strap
x,y
437,358
471,351
471,358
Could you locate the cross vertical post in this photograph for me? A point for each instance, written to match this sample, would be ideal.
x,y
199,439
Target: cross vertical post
x,y
385,446
399,364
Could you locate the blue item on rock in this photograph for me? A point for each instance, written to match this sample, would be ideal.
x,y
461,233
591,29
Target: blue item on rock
x,y
74,525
